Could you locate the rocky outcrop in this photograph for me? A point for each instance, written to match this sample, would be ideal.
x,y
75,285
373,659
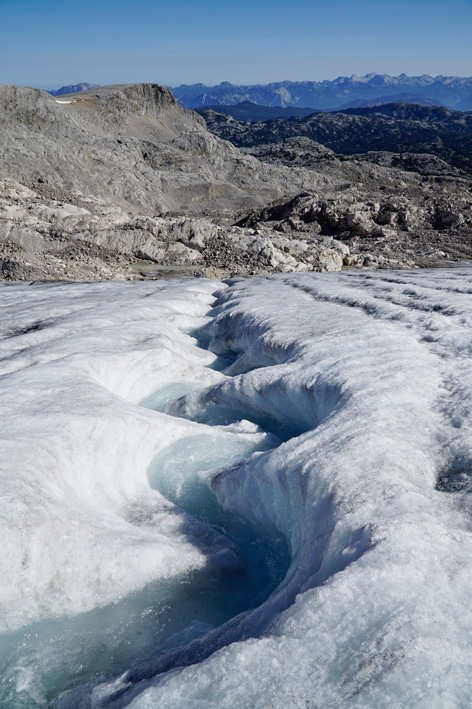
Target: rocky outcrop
x,y
47,239
414,227
395,128
346,213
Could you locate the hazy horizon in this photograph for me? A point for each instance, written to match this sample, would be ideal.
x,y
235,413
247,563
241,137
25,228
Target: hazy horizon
x,y
276,81
58,43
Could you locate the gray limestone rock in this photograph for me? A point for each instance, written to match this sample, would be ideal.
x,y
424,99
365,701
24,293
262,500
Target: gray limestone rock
x,y
134,147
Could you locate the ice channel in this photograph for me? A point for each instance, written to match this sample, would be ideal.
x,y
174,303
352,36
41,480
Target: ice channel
x,y
44,661
255,407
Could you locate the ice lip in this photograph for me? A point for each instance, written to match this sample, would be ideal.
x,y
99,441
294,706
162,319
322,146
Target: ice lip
x,y
278,400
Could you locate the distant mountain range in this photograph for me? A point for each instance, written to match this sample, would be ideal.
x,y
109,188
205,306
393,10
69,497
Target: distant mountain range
x,y
73,89
248,111
393,98
253,112
344,92
304,97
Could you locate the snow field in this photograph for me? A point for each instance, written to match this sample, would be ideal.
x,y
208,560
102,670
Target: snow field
x,y
270,535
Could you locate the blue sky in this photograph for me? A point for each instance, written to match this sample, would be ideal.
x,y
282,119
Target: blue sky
x,y
50,43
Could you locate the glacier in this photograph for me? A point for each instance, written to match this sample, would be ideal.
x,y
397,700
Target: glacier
x,y
243,494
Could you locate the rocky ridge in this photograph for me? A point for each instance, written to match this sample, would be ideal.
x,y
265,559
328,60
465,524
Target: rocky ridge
x,y
134,147
253,112
305,152
73,88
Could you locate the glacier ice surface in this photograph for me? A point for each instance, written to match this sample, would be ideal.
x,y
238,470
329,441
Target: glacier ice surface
x,y
244,494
